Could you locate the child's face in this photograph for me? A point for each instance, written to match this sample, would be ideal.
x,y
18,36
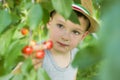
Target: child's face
x,y
65,34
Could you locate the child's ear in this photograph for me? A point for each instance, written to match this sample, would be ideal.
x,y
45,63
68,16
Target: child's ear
x,y
84,35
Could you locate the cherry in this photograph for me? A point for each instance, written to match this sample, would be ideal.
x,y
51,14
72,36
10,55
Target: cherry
x,y
48,44
40,54
27,50
24,31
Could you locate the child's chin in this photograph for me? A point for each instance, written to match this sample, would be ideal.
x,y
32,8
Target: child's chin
x,y
62,49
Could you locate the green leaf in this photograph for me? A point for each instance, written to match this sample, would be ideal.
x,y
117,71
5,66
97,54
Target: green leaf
x,y
2,70
87,57
46,4
77,1
42,75
5,20
26,5
26,66
15,18
64,7
45,16
18,77
5,40
110,40
34,16
12,54
74,18
32,75
6,77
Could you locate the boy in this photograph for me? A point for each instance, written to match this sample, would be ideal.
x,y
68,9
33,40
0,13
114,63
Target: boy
x,y
65,36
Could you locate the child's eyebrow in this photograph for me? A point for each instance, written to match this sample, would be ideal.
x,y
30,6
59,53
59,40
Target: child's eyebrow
x,y
61,21
79,30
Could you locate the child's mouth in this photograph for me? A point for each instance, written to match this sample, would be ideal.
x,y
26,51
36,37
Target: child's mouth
x,y
62,44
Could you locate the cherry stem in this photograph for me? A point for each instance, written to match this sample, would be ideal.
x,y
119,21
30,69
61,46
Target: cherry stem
x,y
30,36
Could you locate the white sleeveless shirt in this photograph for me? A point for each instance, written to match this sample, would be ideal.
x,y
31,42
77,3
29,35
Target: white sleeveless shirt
x,y
57,73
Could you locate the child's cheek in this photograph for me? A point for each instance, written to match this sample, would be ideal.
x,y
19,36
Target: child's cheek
x,y
75,42
53,34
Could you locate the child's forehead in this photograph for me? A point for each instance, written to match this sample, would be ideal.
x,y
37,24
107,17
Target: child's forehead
x,y
59,19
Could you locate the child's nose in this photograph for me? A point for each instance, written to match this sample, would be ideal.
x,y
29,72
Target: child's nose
x,y
66,36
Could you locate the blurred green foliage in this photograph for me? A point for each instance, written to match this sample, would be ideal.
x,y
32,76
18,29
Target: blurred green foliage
x,y
97,58
88,58
109,36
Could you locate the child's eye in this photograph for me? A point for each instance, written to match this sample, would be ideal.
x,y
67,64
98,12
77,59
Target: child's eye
x,y
60,26
76,32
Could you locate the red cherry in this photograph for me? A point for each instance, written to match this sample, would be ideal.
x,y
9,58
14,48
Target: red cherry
x,y
24,31
40,54
27,50
48,44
